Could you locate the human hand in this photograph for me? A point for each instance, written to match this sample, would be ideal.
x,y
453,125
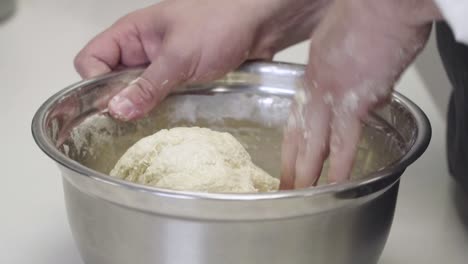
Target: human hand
x,y
357,53
186,41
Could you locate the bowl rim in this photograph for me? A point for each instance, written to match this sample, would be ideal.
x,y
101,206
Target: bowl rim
x,y
371,183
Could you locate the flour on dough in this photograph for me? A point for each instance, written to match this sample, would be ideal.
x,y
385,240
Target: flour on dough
x,y
193,159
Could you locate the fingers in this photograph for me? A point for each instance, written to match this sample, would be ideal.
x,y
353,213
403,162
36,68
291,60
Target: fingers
x,y
123,44
344,141
149,89
313,149
289,152
99,56
305,144
329,77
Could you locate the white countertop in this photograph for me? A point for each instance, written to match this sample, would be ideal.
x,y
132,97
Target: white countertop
x,y
37,46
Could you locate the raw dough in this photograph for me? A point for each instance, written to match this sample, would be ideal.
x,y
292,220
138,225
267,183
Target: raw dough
x,y
193,159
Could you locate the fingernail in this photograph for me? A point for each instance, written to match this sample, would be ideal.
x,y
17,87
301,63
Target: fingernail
x,y
122,108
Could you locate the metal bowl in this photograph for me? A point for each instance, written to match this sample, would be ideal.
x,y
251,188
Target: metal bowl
x,y
115,221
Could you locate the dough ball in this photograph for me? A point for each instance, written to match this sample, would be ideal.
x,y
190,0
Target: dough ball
x,y
193,159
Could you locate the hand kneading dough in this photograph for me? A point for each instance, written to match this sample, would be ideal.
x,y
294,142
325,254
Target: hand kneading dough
x,y
193,159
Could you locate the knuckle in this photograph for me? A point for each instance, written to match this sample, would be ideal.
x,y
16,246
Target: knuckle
x,y
145,91
187,61
79,62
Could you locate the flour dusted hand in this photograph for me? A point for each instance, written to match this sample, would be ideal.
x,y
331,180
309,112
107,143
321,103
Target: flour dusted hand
x,y
193,159
357,53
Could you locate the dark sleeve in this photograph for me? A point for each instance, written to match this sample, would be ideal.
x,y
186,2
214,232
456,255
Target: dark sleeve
x,y
454,57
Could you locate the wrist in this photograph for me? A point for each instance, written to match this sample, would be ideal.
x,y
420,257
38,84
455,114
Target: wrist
x,y
290,21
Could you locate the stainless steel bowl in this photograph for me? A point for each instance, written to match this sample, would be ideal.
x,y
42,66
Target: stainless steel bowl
x,y
114,221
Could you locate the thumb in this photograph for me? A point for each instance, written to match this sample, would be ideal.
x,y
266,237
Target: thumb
x,y
145,92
